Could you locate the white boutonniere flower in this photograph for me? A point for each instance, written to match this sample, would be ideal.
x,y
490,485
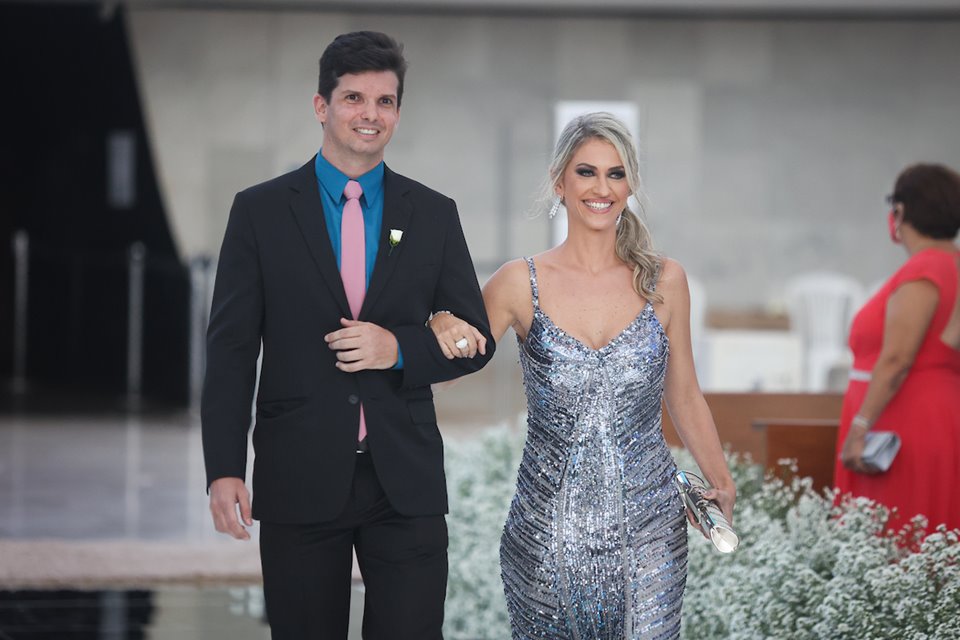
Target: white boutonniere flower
x,y
396,235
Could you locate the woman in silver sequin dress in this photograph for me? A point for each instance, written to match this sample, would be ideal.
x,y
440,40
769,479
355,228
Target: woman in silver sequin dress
x,y
595,544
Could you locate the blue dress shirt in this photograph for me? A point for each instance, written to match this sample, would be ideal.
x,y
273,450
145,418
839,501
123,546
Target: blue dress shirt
x,y
332,182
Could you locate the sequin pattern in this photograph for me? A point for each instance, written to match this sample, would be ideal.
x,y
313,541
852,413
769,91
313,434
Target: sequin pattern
x,y
595,544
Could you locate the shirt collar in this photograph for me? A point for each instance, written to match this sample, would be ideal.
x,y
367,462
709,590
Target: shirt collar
x,y
335,181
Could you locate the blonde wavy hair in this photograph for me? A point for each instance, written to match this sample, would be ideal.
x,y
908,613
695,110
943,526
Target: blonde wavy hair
x,y
634,242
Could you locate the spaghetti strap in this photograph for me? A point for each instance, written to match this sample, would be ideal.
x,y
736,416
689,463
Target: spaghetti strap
x,y
534,290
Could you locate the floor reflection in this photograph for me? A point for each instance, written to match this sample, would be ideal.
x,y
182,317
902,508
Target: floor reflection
x,y
118,479
169,613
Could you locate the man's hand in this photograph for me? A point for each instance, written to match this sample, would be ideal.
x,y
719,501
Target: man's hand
x,y
362,345
449,330
225,495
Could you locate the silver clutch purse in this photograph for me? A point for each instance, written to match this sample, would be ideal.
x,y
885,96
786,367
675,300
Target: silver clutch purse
x,y
707,513
880,448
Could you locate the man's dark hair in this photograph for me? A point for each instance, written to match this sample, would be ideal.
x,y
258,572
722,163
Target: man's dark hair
x,y
930,194
358,52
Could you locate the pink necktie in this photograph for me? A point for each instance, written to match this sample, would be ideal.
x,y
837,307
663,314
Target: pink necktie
x,y
353,261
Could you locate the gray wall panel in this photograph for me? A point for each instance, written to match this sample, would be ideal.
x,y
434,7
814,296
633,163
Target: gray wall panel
x,y
766,146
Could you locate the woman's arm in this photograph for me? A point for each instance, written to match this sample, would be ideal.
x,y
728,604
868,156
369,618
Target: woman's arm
x,y
909,312
682,393
507,299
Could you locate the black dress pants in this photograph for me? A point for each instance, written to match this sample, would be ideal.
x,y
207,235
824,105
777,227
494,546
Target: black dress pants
x,y
307,570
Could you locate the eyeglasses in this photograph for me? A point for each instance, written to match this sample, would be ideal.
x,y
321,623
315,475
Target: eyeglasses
x,y
891,199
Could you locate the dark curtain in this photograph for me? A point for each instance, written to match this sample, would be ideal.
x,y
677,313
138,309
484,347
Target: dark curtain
x,y
78,177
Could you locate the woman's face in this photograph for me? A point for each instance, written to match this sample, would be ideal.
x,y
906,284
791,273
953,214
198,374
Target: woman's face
x,y
594,186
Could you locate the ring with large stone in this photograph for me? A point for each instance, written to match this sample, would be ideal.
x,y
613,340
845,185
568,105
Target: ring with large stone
x,y
461,344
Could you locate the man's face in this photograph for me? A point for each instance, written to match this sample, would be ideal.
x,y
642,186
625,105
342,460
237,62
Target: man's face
x,y
359,120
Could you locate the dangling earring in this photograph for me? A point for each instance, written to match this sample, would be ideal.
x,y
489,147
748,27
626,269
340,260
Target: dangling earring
x,y
556,207
619,218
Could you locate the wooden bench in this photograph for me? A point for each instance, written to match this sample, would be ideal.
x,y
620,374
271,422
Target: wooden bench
x,y
803,427
813,443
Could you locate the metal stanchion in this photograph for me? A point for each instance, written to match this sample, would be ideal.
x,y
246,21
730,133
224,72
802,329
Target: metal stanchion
x,y
113,616
21,257
137,262
201,286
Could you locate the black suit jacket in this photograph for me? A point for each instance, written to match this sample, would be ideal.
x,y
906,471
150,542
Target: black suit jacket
x,y
278,282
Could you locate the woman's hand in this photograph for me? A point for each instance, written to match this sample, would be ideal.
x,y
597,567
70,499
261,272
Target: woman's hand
x,y
457,338
692,519
851,454
726,497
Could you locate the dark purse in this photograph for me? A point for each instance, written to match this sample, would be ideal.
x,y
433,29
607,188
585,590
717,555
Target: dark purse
x,y
880,448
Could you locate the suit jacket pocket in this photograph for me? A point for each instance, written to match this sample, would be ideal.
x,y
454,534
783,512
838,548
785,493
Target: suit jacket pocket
x,y
422,411
268,409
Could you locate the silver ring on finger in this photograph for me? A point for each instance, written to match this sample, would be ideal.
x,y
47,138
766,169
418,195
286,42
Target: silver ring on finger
x,y
461,344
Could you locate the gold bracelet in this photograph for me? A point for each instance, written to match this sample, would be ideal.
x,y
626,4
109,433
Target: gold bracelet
x,y
860,421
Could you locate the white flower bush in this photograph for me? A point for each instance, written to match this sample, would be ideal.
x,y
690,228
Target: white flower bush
x,y
806,569
481,474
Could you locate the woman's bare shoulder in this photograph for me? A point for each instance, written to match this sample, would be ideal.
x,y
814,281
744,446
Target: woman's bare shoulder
x,y
673,278
511,278
512,271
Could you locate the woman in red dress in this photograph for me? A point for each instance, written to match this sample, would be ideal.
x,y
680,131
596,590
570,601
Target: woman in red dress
x,y
906,370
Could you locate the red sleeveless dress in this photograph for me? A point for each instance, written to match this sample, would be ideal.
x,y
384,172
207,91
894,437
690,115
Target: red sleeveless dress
x,y
925,476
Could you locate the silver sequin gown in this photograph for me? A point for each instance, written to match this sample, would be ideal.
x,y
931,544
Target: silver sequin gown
x,y
595,544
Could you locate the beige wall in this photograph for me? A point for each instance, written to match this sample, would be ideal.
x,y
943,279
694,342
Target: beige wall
x,y
767,145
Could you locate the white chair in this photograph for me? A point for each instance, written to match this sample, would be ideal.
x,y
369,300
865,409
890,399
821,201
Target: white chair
x,y
822,305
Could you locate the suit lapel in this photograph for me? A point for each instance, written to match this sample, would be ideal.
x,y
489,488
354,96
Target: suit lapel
x,y
396,215
308,210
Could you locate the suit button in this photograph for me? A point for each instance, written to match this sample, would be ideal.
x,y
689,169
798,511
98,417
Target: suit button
x,y
353,398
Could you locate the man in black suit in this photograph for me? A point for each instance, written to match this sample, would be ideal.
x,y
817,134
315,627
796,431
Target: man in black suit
x,y
348,454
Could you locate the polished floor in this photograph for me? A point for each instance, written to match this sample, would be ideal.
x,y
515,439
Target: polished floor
x,y
168,613
113,478
122,479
